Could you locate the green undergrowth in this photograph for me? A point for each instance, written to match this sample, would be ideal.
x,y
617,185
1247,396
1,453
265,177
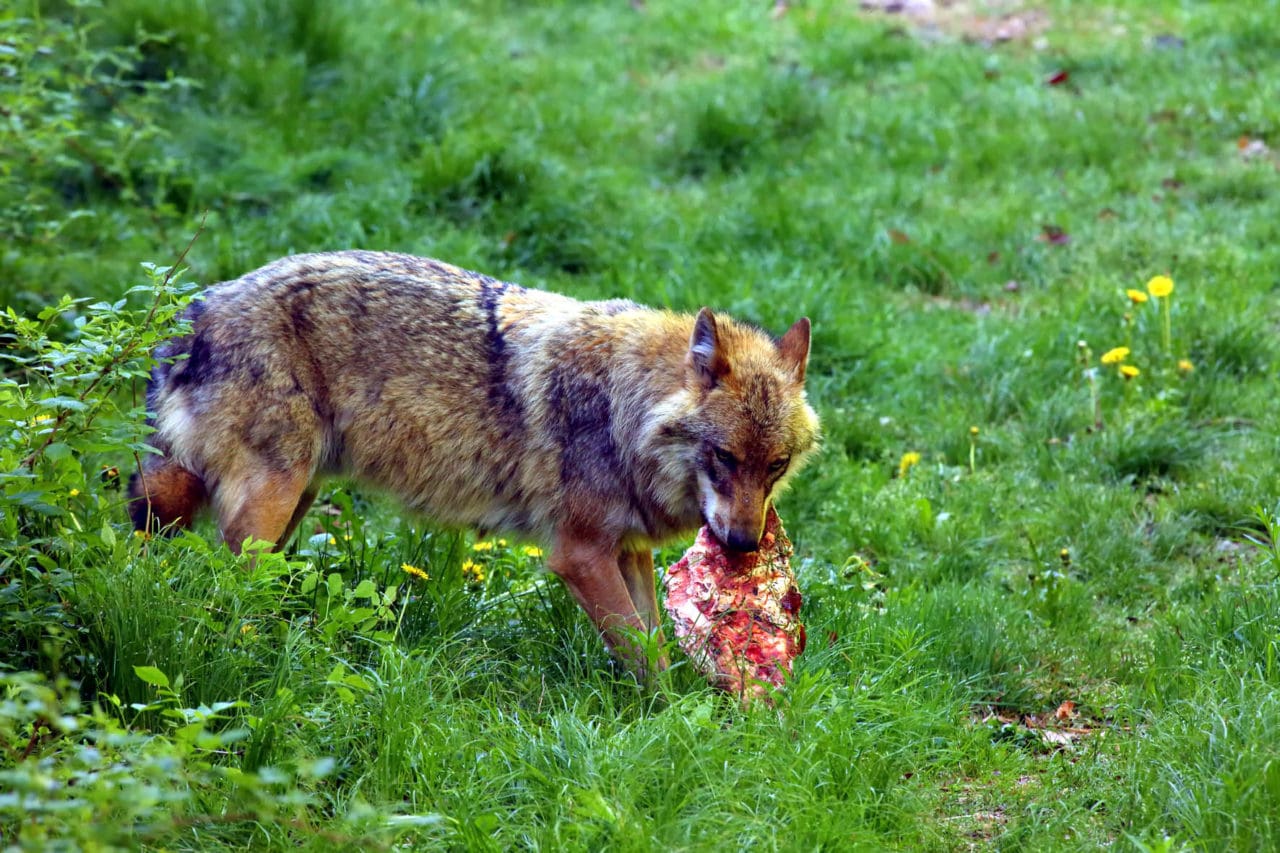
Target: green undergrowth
x,y
1040,595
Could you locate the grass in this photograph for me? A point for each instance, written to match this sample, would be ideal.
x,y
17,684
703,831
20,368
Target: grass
x,y
899,186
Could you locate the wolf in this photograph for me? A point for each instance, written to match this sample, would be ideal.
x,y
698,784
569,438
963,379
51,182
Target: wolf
x,y
599,429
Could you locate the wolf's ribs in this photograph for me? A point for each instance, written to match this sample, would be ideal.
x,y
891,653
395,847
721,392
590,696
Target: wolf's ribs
x,y
737,615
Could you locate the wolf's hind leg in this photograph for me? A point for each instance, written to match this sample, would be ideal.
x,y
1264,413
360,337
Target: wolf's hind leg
x,y
264,504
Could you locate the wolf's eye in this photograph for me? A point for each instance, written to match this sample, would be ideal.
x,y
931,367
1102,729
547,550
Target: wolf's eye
x,y
779,464
724,457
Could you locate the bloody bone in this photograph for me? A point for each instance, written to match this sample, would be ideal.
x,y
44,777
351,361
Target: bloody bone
x,y
737,615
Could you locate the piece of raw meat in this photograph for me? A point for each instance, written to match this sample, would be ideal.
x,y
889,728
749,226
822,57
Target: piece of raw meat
x,y
737,615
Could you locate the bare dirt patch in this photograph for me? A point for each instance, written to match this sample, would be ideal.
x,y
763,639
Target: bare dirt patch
x,y
991,22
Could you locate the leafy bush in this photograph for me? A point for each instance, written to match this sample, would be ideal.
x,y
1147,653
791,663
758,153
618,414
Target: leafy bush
x,y
80,778
71,394
77,124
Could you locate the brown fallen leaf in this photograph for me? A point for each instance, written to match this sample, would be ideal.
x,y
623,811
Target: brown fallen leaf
x,y
1066,711
898,237
1053,235
1057,738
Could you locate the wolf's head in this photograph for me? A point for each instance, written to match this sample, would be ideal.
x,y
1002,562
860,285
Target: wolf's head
x,y
751,423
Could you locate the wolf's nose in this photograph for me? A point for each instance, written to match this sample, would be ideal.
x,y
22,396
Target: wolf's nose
x,y
742,541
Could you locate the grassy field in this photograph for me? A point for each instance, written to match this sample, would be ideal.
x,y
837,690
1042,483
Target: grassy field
x,y
1057,630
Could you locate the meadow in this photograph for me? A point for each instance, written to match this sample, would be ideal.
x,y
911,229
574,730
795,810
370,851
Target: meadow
x,y
1038,550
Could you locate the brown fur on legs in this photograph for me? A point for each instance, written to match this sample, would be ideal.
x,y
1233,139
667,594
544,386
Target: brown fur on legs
x,y
262,505
589,568
637,573
165,496
636,568
299,512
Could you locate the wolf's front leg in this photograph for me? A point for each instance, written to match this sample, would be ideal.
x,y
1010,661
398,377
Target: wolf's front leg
x,y
588,565
637,573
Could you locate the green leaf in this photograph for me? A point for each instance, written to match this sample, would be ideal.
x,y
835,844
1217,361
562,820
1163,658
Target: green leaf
x,y
152,675
109,539
357,681
57,451
34,501
62,403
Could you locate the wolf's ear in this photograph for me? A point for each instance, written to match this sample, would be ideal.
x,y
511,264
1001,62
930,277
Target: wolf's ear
x,y
706,360
794,347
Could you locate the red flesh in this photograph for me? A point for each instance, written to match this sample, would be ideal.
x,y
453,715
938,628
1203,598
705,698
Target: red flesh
x,y
736,614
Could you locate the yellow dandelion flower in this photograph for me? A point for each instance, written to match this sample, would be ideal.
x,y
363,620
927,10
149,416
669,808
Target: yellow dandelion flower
x,y
333,541
1160,286
1115,356
1137,297
75,492
909,460
502,543
532,551
472,572
246,628
414,571
1128,371
482,546
973,431
1185,365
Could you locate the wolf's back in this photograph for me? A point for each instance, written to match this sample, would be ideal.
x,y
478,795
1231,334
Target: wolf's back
x,y
442,385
